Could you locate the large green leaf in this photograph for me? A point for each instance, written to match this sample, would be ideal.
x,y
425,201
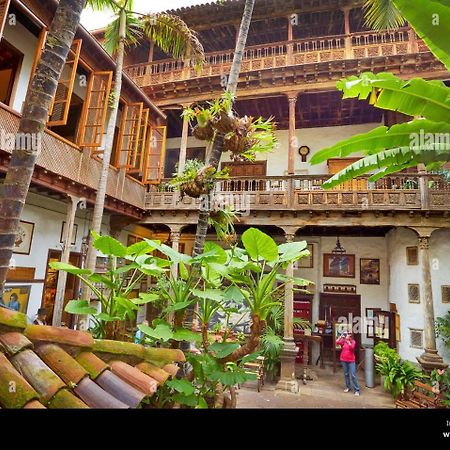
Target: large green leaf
x,y
218,254
160,332
69,268
182,386
182,334
110,246
295,280
381,138
178,306
172,254
259,245
431,21
188,400
292,250
140,248
209,294
416,97
230,378
81,307
223,349
145,298
234,293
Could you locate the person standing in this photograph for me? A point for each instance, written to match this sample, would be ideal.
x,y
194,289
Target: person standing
x,y
41,317
348,360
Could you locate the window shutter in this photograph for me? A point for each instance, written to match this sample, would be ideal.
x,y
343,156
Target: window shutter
x,y
95,110
129,134
38,53
4,8
154,159
59,110
137,160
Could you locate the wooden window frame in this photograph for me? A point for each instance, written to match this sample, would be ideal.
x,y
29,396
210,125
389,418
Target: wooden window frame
x,y
137,157
4,9
145,179
103,110
71,81
40,47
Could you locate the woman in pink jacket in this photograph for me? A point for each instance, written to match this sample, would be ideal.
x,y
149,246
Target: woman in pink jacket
x,y
348,358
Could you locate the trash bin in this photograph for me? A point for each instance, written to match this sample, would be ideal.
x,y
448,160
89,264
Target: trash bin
x,y
369,366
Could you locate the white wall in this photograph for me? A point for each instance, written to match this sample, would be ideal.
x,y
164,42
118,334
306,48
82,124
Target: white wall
x,y
19,37
411,314
314,138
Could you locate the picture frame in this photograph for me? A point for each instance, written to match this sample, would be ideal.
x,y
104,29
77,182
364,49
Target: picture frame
x,y
370,322
369,271
16,297
24,238
338,266
307,262
73,241
412,256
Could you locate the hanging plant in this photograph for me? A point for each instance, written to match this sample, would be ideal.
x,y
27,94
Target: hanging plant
x,y
223,223
196,179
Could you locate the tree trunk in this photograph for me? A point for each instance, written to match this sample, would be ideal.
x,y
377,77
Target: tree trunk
x,y
32,125
217,149
99,207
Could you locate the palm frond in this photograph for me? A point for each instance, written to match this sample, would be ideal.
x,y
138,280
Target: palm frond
x,y
174,37
133,30
382,15
101,5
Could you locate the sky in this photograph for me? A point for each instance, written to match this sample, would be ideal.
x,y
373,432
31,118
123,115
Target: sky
x,y
93,19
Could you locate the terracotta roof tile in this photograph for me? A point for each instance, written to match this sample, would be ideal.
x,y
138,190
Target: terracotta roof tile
x,y
15,392
12,320
62,363
66,400
120,389
163,355
34,404
135,377
95,396
72,340
172,369
156,373
14,342
38,374
124,351
93,364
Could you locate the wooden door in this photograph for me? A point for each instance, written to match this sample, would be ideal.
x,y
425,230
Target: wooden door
x,y
334,306
335,165
255,170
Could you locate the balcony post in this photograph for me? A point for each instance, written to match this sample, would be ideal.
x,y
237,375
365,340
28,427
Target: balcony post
x,y
429,359
183,145
347,38
288,381
290,45
423,186
175,234
412,41
292,99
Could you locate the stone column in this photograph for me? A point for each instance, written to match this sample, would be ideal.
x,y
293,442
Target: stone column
x,y
292,99
72,206
430,358
175,239
290,45
183,145
288,382
348,39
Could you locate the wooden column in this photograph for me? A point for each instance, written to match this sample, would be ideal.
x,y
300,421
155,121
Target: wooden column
x,y
72,206
292,99
429,359
412,42
287,381
423,186
290,45
175,239
183,145
348,39
150,52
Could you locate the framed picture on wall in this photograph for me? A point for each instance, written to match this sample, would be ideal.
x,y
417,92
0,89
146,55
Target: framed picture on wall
x,y
73,241
16,297
308,261
338,266
24,238
369,271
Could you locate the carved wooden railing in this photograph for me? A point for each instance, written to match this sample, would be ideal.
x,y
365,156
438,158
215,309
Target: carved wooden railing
x,y
280,54
395,192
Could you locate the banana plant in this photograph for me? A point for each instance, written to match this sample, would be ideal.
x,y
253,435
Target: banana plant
x,y
423,140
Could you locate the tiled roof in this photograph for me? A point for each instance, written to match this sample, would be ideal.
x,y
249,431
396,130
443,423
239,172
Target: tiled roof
x,y
51,367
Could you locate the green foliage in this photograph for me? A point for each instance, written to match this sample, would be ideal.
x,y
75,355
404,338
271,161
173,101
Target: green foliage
x,y
383,351
443,328
382,14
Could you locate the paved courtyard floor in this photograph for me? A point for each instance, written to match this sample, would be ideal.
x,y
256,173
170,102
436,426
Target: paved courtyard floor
x,y
325,392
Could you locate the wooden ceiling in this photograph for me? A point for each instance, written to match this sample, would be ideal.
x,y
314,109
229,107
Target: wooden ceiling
x,y
321,109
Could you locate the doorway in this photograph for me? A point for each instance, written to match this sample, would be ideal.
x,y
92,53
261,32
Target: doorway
x,y
10,63
51,282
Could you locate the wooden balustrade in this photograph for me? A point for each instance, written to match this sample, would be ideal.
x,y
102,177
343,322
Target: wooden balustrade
x,y
279,54
395,192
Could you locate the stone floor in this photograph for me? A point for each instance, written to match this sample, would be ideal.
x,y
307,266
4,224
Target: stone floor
x,y
325,392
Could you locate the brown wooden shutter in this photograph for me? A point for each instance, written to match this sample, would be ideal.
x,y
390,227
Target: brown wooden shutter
x,y
137,159
154,159
4,8
38,53
59,110
95,110
129,134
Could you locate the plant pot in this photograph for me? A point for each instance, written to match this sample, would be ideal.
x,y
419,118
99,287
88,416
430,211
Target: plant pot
x,y
205,133
193,189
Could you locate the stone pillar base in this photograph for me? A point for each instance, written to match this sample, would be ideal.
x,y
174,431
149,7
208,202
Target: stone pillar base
x,y
430,360
288,382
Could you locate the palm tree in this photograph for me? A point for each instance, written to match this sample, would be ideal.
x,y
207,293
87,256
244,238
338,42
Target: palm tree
x,y
32,124
169,33
217,149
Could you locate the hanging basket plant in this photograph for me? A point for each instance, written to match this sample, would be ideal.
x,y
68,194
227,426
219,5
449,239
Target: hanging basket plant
x,y
222,221
196,179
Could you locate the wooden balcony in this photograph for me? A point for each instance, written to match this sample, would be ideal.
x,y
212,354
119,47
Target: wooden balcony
x,y
63,167
294,193
281,54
